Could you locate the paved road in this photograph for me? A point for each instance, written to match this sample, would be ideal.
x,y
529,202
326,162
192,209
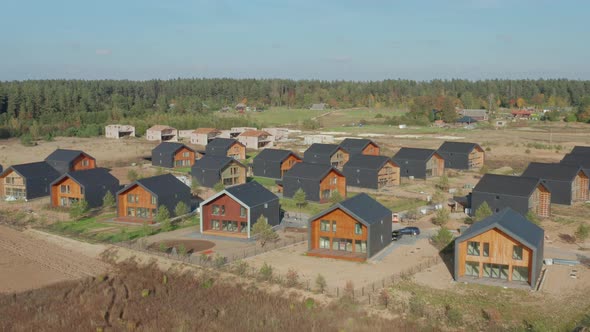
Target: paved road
x,y
406,240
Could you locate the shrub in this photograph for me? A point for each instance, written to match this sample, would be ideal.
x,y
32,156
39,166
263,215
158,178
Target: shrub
x,y
181,250
163,216
292,278
582,232
163,247
132,175
384,297
442,238
309,124
453,314
336,198
309,303
195,187
265,272
219,261
79,209
482,212
533,217
488,149
443,183
181,209
218,187
108,201
241,268
417,306
527,151
320,283
441,217
27,140
378,116
263,230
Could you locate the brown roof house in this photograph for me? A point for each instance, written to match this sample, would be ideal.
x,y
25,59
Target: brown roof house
x,y
202,136
162,134
256,139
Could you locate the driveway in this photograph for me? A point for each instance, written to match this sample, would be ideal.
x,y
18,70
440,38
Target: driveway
x,y
405,240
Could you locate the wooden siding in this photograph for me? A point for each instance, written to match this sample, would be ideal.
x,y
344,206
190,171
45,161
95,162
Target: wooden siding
x,y
83,162
288,163
371,150
476,158
540,202
388,176
501,249
74,193
339,158
144,201
232,213
233,174
345,229
580,188
237,151
435,166
328,183
180,160
11,180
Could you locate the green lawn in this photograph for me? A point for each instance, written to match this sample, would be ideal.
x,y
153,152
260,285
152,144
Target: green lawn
x,y
268,183
310,208
397,204
281,116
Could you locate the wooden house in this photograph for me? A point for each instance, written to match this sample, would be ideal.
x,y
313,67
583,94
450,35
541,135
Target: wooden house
x,y
581,160
256,139
505,248
371,172
27,181
522,194
567,183
70,160
233,211
462,155
118,131
210,170
90,185
476,114
580,149
139,201
162,133
202,136
419,163
278,134
274,163
354,229
360,146
326,154
173,155
319,182
226,147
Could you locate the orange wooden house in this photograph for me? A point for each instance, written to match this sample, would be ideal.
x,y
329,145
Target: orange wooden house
x,y
173,155
504,248
90,185
319,182
140,200
362,146
274,163
70,160
354,229
226,147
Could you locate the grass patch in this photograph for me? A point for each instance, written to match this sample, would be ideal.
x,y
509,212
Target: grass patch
x,y
310,208
268,183
400,203
281,116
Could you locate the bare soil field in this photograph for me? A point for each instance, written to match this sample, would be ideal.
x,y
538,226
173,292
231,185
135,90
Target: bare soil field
x,y
30,262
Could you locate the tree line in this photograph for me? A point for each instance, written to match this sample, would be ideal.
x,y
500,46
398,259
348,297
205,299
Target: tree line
x,y
82,108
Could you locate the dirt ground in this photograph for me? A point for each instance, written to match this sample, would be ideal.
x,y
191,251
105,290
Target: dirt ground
x,y
30,260
339,272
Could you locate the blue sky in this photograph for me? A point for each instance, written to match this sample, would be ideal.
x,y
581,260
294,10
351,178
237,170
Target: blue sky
x,y
321,39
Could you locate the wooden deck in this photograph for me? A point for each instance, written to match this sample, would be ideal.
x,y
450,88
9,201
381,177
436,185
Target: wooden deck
x,y
226,234
336,254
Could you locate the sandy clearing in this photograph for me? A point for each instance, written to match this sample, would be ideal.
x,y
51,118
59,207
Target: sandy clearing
x,y
30,262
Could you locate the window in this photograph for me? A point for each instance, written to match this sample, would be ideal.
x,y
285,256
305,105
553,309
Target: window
x,y
325,242
242,211
334,180
324,225
520,273
154,200
132,198
358,229
81,191
243,227
85,163
334,226
130,212
486,249
472,269
215,210
223,210
9,180
517,253
495,271
360,246
65,188
473,248
185,154
215,224
326,194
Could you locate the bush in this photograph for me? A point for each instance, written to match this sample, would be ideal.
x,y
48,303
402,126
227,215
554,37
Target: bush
x,y
442,238
218,187
441,217
292,278
108,201
527,151
181,250
443,183
264,231
454,315
482,212
181,209
219,261
241,268
378,116
320,283
132,175
384,297
533,217
163,216
488,149
78,209
309,124
27,140
582,232
484,170
265,272
336,198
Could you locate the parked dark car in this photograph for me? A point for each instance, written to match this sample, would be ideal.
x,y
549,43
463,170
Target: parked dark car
x,y
410,231
396,235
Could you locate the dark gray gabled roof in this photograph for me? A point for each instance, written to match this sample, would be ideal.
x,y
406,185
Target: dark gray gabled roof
x,y
214,162
367,162
169,148
159,185
576,159
355,145
414,154
221,143
511,223
362,207
309,171
458,147
275,155
90,178
579,149
322,149
549,171
65,155
252,193
34,170
508,185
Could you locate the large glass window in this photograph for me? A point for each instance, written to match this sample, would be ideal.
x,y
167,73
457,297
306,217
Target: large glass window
x,y
495,271
244,227
222,210
520,273
517,253
324,225
242,211
358,229
473,248
486,249
215,210
154,200
130,212
360,246
334,226
325,242
230,226
65,189
472,269
215,224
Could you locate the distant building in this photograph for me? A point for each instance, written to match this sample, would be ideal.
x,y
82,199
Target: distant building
x,y
318,107
210,170
462,155
241,107
274,163
237,131
185,133
64,160
226,147
476,114
118,131
522,114
419,163
311,139
279,134
256,139
162,133
173,155
360,146
203,136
